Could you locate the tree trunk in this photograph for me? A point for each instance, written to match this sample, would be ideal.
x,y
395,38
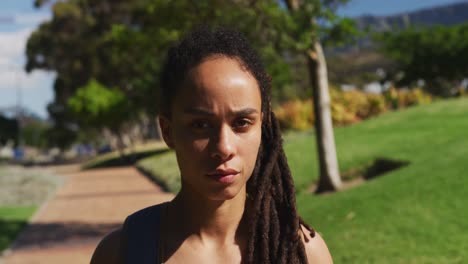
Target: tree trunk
x,y
120,146
154,131
329,179
158,128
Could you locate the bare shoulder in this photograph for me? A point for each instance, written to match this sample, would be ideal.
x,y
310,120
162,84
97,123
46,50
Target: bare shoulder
x,y
109,249
316,249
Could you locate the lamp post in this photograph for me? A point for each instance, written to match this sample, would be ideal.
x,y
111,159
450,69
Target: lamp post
x,y
14,69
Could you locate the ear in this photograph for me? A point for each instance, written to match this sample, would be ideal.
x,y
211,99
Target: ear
x,y
166,129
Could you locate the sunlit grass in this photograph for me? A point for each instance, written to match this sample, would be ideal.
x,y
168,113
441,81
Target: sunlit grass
x,y
12,221
133,154
163,168
413,215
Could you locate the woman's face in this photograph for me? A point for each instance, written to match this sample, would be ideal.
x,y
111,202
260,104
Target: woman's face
x,y
215,128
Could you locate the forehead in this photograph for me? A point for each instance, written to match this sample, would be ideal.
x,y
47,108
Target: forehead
x,y
219,82
218,68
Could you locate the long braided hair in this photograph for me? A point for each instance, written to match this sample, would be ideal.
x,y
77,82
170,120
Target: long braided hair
x,y
273,221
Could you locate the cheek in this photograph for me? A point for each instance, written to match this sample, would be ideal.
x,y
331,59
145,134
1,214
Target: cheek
x,y
250,149
187,144
189,154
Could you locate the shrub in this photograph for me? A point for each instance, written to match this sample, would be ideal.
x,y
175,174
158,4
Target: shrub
x,y
295,114
352,106
417,97
404,98
355,102
348,107
391,97
377,105
341,115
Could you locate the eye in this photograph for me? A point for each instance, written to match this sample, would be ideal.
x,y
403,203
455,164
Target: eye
x,y
242,123
199,124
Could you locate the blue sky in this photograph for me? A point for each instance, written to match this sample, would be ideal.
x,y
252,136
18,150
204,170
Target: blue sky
x,y
18,18
388,7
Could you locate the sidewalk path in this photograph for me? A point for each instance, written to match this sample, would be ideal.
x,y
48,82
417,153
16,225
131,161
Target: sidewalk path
x,y
89,205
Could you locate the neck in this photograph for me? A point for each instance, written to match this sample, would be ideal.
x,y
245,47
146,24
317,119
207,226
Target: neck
x,y
211,221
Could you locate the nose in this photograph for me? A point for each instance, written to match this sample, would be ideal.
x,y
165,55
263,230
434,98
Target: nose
x,y
223,144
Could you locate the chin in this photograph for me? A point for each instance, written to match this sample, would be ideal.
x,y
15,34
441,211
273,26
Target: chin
x,y
215,192
225,194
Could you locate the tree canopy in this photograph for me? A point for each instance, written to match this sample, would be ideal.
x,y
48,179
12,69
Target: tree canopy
x,y
100,107
121,44
436,55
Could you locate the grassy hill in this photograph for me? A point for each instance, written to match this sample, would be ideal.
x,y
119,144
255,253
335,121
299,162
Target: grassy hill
x,y
416,214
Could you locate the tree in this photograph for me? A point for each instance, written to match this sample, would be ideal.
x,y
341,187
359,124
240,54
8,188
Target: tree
x,y
122,44
98,107
329,179
436,55
9,130
317,11
69,45
34,133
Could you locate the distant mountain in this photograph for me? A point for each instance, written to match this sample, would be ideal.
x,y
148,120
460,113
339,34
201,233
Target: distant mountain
x,y
358,62
447,15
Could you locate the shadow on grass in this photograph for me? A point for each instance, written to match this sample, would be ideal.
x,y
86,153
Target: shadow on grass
x,y
120,161
155,180
9,229
382,166
359,175
47,234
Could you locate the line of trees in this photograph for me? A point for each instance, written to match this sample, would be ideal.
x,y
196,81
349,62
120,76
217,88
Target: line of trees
x,y
436,56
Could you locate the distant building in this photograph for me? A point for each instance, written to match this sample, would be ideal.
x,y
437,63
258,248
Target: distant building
x,y
373,87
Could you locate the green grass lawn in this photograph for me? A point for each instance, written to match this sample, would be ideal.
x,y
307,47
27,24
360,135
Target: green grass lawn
x,y
12,220
114,158
163,169
416,214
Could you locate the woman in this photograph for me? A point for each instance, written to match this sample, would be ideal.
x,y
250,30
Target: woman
x,y
237,201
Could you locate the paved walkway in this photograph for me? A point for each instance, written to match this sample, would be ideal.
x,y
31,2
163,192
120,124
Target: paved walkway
x,y
89,205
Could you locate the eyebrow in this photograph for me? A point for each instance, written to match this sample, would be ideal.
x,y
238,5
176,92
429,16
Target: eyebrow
x,y
204,112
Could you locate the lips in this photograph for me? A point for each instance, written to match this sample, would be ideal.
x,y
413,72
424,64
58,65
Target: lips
x,y
223,175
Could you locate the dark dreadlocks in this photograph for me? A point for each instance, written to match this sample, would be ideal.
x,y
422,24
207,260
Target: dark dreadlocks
x,y
274,223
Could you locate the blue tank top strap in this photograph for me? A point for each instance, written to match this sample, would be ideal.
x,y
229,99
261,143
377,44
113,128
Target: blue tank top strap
x,y
142,232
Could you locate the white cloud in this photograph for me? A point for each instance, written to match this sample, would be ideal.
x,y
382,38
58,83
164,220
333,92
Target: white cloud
x,y
4,62
12,57
12,79
35,90
12,47
36,87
